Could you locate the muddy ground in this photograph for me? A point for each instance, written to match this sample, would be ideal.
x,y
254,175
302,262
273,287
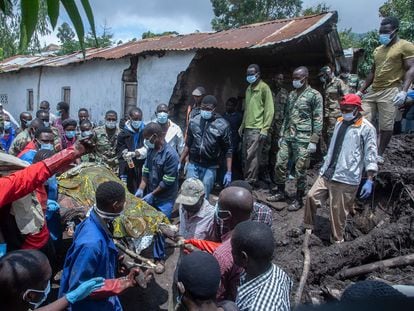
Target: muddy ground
x,y
382,228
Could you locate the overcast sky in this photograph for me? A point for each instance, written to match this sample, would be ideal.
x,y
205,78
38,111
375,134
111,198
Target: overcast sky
x,y
130,18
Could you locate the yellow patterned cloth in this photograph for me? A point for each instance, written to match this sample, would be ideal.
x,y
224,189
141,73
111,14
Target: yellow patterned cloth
x,y
138,219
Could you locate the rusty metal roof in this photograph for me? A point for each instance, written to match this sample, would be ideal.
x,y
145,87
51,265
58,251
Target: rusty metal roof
x,y
246,37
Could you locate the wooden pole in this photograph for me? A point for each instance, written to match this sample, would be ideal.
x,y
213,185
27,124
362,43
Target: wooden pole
x,y
306,267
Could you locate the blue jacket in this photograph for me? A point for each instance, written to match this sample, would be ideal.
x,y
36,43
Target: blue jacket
x,y
92,254
161,169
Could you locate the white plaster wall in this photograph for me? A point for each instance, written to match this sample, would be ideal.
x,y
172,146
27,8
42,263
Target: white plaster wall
x,y
95,85
157,77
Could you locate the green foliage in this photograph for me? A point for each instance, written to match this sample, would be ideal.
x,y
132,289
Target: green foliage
x,y
29,16
404,11
235,13
369,43
349,39
317,9
150,34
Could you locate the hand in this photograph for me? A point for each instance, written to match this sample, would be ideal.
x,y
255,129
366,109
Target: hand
x,y
149,198
399,99
128,155
279,142
137,154
87,143
262,137
52,205
366,189
312,148
227,179
139,193
84,290
123,178
240,132
360,94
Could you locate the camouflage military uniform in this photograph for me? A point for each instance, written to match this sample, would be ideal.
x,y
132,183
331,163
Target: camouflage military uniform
x,y
354,83
334,91
20,142
56,139
105,147
302,125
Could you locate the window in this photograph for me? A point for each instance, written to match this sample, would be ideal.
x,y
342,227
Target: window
x,y
3,99
29,105
66,94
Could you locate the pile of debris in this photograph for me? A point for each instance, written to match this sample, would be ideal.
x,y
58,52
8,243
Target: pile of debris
x,y
379,240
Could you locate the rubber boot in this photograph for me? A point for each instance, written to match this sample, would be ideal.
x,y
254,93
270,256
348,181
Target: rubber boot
x,y
279,195
297,203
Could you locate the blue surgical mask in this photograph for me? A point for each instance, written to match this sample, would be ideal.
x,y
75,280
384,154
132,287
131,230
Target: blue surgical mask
x,y
251,79
149,144
297,84
348,116
136,124
206,115
46,146
44,292
385,38
70,134
59,113
110,124
86,133
162,117
7,125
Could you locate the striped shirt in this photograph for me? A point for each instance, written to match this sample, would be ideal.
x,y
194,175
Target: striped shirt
x,y
269,291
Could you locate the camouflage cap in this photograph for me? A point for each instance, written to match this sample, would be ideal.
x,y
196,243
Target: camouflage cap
x,y
191,191
325,70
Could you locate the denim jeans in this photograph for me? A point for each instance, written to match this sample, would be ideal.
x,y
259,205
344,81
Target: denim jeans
x,y
159,240
206,174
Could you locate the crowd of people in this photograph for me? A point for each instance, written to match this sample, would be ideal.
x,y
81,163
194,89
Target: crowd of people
x,y
227,243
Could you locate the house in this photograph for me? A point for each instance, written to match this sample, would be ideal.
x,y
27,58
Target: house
x,y
166,69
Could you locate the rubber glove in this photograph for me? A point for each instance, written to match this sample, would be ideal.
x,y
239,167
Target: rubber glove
x,y
149,198
139,193
312,148
84,290
128,155
227,179
366,189
52,205
123,178
399,99
411,94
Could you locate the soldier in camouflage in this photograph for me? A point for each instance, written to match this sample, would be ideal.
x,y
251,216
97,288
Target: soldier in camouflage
x,y
301,129
24,137
105,141
335,89
44,115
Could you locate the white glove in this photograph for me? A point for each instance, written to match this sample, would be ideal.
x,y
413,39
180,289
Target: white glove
x,y
360,94
312,148
399,99
128,155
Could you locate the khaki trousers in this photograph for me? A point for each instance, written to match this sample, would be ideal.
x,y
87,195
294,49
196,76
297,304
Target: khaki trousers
x,y
341,202
252,151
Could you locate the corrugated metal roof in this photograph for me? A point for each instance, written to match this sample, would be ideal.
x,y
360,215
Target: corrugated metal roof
x,y
246,37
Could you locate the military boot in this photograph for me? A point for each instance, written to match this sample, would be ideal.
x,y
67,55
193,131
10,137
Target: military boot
x,y
278,195
297,203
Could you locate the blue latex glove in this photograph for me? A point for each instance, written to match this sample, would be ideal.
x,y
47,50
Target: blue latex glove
x,y
139,193
84,290
52,206
123,178
366,189
410,94
149,198
227,179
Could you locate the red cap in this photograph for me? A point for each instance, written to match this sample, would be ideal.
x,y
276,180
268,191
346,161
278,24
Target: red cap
x,y
352,99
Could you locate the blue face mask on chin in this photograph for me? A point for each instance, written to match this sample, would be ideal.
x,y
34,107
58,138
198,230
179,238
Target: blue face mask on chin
x,y
206,115
70,134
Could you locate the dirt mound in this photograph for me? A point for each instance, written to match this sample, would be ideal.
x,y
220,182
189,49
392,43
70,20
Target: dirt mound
x,y
382,228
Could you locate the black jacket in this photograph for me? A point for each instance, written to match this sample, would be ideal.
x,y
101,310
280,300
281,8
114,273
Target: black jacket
x,y
126,141
209,140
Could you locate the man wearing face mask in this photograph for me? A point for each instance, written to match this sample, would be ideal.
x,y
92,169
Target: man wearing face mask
x,y
44,105
353,149
62,109
25,119
130,148
44,115
69,128
159,181
25,137
299,136
208,139
105,141
25,283
43,139
8,135
334,89
391,76
171,131
257,120
93,252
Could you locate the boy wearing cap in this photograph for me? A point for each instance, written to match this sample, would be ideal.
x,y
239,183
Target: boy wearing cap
x,y
196,213
353,148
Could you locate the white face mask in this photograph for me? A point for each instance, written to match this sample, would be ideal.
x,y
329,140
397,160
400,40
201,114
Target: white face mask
x,y
45,293
297,84
349,116
105,215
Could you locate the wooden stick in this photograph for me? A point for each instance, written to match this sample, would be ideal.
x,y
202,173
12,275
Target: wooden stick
x,y
134,255
306,267
364,269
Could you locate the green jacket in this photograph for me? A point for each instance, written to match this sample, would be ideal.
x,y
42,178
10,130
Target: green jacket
x,y
303,116
259,108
